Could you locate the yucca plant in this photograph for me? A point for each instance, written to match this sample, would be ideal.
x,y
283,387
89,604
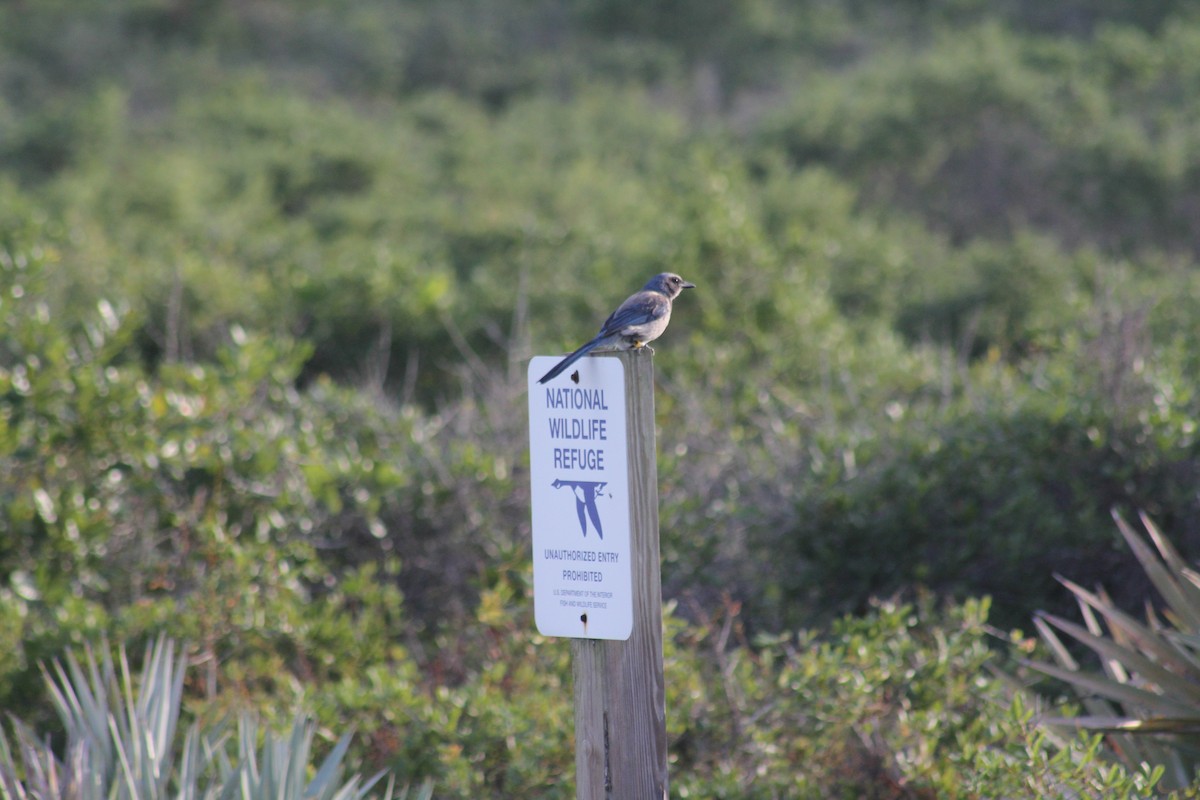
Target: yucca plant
x,y
1145,697
121,743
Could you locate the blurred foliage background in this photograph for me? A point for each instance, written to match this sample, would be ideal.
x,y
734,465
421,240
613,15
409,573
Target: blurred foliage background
x,y
270,273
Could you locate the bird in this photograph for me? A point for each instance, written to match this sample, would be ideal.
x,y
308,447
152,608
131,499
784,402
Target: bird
x,y
640,319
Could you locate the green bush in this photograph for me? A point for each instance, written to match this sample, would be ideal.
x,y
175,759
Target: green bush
x,y
993,504
1143,696
988,131
896,703
119,745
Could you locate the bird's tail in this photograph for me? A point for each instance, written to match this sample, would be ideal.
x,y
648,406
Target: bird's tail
x,y
571,359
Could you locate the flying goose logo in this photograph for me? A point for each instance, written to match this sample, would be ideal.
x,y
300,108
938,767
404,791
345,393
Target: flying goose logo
x,y
585,502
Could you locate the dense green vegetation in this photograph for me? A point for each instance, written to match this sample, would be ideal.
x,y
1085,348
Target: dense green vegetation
x,y
269,274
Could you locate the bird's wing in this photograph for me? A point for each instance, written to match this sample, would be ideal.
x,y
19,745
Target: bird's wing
x,y
639,309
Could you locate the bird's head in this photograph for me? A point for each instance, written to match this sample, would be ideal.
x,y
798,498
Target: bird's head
x,y
668,283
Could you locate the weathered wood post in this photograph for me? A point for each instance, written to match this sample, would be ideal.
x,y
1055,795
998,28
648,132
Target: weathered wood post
x,y
620,691
596,573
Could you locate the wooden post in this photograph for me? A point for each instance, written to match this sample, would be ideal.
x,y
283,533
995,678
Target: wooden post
x,y
620,692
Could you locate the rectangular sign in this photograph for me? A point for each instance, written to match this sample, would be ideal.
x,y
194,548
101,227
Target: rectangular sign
x,y
579,474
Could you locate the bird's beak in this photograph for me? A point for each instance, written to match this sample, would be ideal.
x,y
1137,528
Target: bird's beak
x,y
687,285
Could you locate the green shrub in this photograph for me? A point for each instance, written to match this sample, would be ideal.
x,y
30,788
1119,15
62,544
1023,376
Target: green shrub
x,y
1143,697
896,703
122,745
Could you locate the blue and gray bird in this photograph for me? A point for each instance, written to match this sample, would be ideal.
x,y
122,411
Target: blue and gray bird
x,y
640,319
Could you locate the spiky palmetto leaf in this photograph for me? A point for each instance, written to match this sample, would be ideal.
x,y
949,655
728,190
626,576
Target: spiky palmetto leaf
x,y
1146,694
121,743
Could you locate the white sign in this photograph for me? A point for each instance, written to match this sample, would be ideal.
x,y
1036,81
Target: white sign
x,y
579,473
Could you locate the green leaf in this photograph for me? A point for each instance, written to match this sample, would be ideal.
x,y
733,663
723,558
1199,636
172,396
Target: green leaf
x,y
1175,725
1145,638
1147,671
1106,687
1180,599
